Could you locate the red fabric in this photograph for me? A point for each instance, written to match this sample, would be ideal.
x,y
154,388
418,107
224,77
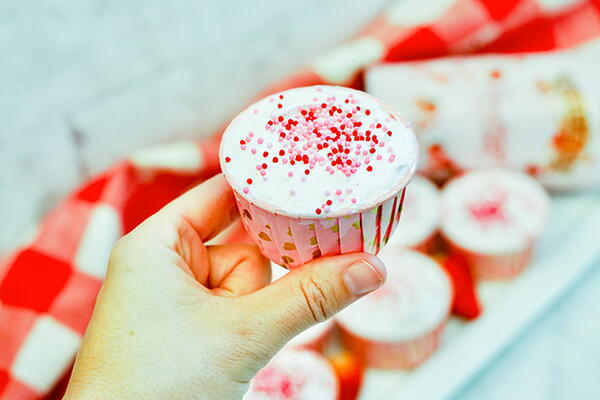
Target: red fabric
x,y
57,274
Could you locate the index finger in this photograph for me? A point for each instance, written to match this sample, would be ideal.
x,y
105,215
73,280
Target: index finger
x,y
209,207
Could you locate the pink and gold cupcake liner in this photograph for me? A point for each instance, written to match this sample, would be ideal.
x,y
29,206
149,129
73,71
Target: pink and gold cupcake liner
x,y
293,241
393,355
495,266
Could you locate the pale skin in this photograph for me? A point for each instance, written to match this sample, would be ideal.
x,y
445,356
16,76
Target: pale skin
x,y
178,319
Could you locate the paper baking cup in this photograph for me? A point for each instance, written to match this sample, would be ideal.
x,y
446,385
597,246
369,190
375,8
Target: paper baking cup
x,y
293,241
385,355
494,266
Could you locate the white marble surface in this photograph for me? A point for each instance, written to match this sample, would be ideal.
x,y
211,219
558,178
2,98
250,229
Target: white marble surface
x,y
82,83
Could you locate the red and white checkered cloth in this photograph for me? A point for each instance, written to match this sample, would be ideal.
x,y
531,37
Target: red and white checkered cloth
x,y
48,286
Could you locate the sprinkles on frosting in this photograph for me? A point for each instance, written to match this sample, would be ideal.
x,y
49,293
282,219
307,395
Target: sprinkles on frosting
x,y
328,133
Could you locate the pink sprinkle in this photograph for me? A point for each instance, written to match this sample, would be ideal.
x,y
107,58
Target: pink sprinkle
x,y
263,173
246,190
250,134
353,200
270,146
338,192
379,157
243,147
349,190
290,173
260,140
392,158
253,151
255,111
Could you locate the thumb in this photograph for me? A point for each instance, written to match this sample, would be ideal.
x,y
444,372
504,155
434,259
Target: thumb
x,y
314,292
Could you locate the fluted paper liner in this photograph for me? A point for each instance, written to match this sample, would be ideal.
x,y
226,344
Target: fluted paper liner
x,y
293,241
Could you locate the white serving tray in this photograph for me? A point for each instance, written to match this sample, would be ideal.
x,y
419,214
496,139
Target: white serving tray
x,y
567,250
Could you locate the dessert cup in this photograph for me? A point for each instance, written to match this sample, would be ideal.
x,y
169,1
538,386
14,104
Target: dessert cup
x,y
318,171
493,218
400,324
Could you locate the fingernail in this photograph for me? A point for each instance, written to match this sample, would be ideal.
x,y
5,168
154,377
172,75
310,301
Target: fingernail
x,y
365,276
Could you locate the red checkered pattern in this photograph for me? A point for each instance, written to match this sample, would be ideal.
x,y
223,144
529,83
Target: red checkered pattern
x,y
48,286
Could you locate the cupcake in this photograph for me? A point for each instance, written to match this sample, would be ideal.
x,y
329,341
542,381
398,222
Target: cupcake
x,y
317,336
318,171
399,325
418,225
299,374
493,217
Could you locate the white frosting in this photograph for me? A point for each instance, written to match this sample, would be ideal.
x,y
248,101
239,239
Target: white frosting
x,y
359,177
420,214
493,211
311,334
413,301
295,374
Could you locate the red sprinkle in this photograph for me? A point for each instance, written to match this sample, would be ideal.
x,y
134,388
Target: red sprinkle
x,y
318,211
369,168
227,159
249,181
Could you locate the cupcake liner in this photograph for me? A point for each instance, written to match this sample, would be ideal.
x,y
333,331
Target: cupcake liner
x,y
387,355
291,242
495,266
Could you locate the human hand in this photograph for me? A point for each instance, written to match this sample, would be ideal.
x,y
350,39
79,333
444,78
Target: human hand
x,y
180,320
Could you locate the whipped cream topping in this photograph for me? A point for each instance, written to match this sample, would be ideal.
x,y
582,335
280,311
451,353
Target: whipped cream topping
x,y
319,151
294,374
420,214
493,211
413,301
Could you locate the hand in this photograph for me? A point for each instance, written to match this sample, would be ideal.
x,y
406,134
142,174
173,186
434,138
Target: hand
x,y
180,320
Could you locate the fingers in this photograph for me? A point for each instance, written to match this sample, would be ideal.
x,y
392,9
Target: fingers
x,y
315,292
209,207
237,269
234,233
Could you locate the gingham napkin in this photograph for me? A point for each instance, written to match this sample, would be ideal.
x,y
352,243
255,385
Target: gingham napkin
x,y
48,286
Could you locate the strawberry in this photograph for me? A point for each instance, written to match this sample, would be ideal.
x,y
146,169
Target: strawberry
x,y
465,302
350,374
